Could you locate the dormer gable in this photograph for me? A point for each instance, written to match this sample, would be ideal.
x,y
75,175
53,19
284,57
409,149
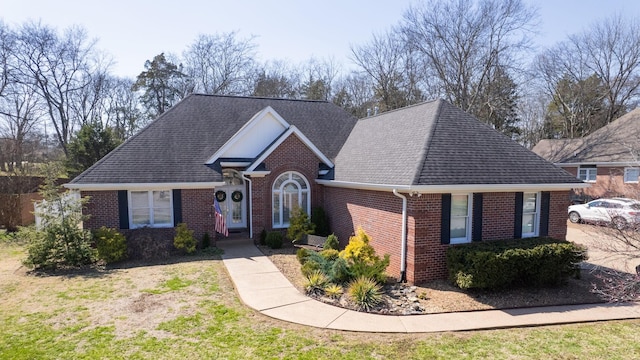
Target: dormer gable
x,y
254,137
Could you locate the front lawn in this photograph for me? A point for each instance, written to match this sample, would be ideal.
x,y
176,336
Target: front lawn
x,y
188,310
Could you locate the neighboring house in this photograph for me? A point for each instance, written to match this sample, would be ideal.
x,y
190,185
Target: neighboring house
x,y
416,179
608,159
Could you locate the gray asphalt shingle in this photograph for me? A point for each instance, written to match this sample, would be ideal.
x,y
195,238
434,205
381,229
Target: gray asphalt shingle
x,y
175,147
618,141
435,143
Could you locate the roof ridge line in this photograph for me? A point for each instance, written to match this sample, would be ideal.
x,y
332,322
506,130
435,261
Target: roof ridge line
x,y
427,146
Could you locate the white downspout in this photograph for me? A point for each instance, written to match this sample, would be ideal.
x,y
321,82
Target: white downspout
x,y
403,250
250,206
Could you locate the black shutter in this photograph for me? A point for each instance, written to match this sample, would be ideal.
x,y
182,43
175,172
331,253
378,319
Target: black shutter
x,y
517,220
545,200
123,209
177,207
445,230
476,222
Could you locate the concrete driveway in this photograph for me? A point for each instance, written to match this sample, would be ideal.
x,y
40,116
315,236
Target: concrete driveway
x,y
606,246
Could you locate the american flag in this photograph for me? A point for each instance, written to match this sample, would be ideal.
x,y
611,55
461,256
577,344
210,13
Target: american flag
x,y
221,225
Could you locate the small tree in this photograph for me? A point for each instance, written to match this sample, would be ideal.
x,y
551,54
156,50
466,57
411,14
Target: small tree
x,y
184,239
299,225
59,241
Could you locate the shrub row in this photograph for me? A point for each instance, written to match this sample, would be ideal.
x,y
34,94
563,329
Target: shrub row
x,y
514,263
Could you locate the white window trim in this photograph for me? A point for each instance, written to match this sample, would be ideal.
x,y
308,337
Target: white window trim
x,y
536,225
281,224
467,238
626,170
589,170
150,204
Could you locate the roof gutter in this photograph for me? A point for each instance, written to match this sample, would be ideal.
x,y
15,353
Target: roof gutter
x,y
403,249
143,186
599,163
440,189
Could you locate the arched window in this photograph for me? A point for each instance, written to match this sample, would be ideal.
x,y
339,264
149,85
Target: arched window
x,y
290,189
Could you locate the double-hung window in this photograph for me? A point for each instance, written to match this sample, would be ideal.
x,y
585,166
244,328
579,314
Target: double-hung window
x,y
460,227
530,214
151,208
587,173
631,174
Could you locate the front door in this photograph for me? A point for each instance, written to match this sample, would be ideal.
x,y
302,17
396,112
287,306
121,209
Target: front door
x,y
233,200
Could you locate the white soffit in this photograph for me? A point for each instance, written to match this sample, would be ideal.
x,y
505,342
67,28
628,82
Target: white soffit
x,y
251,140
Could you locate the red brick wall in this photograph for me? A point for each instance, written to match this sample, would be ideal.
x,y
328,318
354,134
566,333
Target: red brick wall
x,y
426,254
498,214
379,214
291,155
559,201
197,211
102,209
609,183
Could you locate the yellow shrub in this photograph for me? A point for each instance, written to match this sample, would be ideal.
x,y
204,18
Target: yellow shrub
x,y
359,249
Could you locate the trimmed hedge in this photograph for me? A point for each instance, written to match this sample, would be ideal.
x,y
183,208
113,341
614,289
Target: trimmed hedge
x,y
514,263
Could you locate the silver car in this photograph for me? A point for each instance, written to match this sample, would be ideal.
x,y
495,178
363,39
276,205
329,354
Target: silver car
x,y
620,212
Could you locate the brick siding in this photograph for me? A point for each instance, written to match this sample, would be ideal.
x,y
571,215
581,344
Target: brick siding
x,y
291,155
609,183
379,214
102,209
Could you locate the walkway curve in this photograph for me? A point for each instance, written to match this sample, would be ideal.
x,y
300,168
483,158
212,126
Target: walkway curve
x,y
262,287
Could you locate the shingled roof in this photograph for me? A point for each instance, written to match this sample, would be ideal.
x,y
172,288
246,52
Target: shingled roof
x,y
435,143
617,142
175,147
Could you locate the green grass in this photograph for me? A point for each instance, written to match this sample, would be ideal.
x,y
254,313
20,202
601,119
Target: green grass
x,y
60,317
173,284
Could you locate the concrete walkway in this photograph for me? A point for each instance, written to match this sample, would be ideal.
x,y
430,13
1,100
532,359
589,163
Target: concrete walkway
x,y
262,287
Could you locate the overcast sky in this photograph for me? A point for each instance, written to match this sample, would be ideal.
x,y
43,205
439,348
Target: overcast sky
x,y
133,31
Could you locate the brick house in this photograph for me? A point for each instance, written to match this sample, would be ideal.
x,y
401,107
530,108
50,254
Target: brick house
x,y
607,159
417,180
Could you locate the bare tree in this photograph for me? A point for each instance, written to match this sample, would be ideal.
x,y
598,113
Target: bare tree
x,y
7,43
20,110
59,69
387,62
276,79
462,42
608,53
320,76
121,108
220,64
355,94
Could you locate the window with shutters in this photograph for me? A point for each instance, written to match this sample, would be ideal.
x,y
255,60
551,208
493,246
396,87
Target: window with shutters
x,y
460,226
530,214
153,208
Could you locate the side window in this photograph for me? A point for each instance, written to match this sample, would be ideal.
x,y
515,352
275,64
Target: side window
x,y
150,208
631,174
587,173
460,226
530,214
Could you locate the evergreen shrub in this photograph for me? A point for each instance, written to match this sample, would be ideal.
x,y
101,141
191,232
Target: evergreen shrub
x,y
514,263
